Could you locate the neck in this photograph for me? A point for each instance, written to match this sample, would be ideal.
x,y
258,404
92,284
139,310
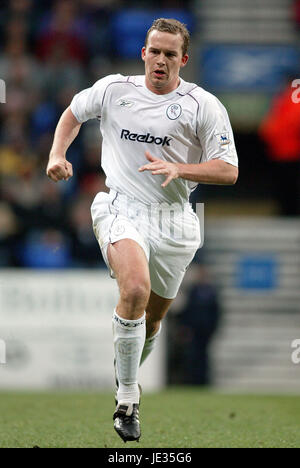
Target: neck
x,y
163,90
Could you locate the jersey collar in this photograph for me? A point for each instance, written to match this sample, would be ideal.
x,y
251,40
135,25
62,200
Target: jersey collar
x,y
140,79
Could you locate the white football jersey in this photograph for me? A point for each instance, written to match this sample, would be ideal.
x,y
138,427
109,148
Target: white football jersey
x,y
188,125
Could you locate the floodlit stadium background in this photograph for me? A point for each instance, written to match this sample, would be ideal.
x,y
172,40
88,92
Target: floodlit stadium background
x,y
237,315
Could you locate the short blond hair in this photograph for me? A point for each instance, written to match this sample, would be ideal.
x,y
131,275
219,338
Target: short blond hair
x,y
171,26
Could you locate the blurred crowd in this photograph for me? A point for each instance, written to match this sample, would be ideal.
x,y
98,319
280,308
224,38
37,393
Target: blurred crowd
x,y
49,51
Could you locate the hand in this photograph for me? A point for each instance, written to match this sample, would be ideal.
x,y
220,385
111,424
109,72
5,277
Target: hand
x,y
59,169
158,166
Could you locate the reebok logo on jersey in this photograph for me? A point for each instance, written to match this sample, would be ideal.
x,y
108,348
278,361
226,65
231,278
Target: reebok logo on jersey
x,y
125,103
142,138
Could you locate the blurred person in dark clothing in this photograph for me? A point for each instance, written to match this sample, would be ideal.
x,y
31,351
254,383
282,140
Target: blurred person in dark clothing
x,y
8,234
296,12
194,328
62,34
85,251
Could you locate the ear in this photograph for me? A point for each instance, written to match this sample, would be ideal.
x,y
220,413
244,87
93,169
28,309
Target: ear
x,y
184,60
143,54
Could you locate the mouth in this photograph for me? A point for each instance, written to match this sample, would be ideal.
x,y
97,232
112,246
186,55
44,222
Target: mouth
x,y
159,73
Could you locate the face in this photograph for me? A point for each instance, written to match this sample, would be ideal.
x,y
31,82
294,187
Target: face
x,y
163,60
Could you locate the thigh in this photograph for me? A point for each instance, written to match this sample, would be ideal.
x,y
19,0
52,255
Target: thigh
x,y
171,255
114,228
129,263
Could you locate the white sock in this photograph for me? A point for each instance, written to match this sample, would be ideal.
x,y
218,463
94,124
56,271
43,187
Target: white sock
x,y
150,345
129,339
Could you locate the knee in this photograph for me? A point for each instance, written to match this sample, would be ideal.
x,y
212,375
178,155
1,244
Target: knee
x,y
136,293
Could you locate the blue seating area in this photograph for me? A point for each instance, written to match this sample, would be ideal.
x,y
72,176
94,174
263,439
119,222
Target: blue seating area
x,y
129,26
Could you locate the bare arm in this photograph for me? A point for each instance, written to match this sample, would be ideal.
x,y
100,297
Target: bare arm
x,y
66,131
215,171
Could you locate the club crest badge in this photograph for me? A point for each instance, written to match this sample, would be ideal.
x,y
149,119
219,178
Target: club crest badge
x,y
118,229
174,111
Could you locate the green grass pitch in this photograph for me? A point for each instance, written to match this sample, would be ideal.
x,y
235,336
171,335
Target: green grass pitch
x,y
174,418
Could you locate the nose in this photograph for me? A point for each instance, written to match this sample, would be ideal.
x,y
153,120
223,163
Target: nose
x,y
161,59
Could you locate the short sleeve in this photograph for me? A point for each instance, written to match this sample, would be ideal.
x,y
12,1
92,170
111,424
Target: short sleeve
x,y
215,133
88,103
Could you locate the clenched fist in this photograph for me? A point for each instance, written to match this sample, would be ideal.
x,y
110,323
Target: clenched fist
x,y
59,169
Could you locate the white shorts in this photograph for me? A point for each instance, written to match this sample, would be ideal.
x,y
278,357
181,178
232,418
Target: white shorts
x,y
169,234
